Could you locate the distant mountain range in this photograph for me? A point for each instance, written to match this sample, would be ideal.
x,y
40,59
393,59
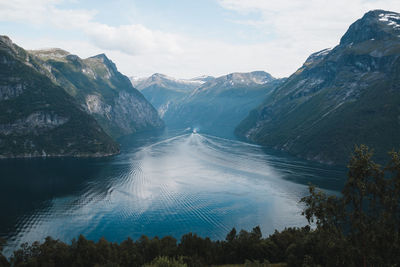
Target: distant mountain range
x,y
161,80
218,106
340,97
213,105
53,103
162,90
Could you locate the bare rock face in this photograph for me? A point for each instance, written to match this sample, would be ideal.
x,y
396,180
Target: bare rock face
x,y
11,91
95,105
36,123
128,113
133,113
102,91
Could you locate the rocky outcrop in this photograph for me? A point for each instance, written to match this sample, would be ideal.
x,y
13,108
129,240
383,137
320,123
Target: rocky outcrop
x,y
132,113
95,105
35,123
11,91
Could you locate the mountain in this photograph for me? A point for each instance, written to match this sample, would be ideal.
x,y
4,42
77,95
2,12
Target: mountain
x,y
202,79
340,97
38,117
161,90
164,81
101,90
219,104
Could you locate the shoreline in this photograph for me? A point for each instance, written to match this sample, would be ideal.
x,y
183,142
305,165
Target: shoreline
x,y
80,155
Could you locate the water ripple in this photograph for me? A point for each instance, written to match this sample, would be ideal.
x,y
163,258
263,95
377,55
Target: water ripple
x,y
186,183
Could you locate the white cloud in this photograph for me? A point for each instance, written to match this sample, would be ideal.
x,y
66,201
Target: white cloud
x,y
133,39
308,21
298,28
43,12
130,39
303,27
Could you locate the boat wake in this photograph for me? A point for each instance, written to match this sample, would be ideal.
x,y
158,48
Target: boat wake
x,y
188,183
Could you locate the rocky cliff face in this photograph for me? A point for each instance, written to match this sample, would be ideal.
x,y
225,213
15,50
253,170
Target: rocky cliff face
x,y
37,117
11,91
36,123
340,97
101,90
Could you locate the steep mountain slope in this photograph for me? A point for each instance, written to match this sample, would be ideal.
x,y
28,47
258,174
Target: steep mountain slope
x,y
37,117
104,92
341,97
162,91
220,104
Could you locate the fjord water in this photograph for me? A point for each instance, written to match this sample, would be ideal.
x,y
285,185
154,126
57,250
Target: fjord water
x,y
161,184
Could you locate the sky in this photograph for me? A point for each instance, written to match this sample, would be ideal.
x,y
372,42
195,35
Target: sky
x,y
186,38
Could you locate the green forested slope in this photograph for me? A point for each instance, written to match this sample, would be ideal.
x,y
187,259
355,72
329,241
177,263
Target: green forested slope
x,y
341,97
37,117
102,90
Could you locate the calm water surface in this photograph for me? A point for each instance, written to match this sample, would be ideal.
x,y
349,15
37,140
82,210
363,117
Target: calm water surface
x,y
164,184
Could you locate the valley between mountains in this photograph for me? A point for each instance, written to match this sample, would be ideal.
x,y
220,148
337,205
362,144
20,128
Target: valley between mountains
x,y
53,103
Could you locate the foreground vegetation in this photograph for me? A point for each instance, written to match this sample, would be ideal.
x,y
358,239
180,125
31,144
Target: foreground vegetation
x,y
359,228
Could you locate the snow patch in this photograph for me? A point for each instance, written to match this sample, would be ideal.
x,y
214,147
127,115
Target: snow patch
x,y
323,52
89,72
392,19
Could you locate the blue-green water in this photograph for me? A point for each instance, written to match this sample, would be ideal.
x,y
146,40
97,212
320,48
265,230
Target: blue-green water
x,y
164,184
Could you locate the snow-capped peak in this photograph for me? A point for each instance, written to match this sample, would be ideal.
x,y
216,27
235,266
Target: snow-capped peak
x,y
165,81
392,19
